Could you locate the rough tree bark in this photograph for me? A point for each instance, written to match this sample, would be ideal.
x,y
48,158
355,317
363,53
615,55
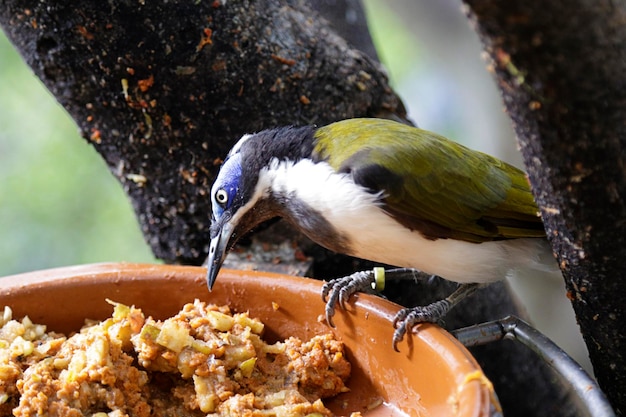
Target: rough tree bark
x,y
162,90
561,68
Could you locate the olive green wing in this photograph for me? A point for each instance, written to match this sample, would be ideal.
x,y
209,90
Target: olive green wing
x,y
431,184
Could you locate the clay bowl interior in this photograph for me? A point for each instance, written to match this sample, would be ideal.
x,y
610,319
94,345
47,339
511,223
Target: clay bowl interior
x,y
432,375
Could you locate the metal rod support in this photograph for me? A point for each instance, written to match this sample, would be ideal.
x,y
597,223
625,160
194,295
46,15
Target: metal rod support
x,y
584,388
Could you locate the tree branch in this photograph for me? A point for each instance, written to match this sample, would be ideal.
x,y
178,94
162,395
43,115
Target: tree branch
x,y
561,68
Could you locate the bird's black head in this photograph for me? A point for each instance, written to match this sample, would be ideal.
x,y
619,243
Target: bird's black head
x,y
239,196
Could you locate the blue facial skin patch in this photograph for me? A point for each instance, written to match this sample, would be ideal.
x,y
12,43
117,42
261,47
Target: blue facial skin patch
x,y
227,185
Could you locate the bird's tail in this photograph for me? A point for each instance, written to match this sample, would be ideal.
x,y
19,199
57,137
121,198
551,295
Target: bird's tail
x,y
533,255
540,288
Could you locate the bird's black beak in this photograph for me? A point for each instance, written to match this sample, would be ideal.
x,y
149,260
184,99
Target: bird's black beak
x,y
217,253
229,230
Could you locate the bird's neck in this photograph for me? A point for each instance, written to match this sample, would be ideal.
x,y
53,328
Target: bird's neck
x,y
261,153
316,184
316,198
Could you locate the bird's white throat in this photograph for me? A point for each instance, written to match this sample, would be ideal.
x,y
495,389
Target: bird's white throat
x,y
359,216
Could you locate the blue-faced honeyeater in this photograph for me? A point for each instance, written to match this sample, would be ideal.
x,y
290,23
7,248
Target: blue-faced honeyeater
x,y
387,192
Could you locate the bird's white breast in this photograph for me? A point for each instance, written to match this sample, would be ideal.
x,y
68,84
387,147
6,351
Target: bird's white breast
x,y
358,215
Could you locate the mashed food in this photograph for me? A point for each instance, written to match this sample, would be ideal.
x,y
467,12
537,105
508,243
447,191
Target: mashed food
x,y
204,361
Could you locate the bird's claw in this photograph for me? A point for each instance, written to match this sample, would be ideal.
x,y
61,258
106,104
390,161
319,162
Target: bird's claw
x,y
339,291
407,318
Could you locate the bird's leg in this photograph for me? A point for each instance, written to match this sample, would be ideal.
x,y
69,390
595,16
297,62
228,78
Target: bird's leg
x,y
406,318
339,290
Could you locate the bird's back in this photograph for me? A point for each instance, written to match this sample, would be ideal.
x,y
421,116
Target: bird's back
x,y
430,183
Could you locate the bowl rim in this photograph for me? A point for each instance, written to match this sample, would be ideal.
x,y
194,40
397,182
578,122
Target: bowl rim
x,y
470,381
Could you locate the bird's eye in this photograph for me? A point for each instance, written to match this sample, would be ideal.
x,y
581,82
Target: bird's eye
x,y
221,196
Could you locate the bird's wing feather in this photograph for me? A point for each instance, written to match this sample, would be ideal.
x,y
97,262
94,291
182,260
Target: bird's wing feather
x,y
432,184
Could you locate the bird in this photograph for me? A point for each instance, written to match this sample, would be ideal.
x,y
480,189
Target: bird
x,y
387,192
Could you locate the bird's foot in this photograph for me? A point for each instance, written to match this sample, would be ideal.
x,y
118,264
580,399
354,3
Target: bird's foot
x,y
407,318
339,290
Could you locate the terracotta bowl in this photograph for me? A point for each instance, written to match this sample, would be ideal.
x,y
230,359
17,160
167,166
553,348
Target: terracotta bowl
x,y
433,375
